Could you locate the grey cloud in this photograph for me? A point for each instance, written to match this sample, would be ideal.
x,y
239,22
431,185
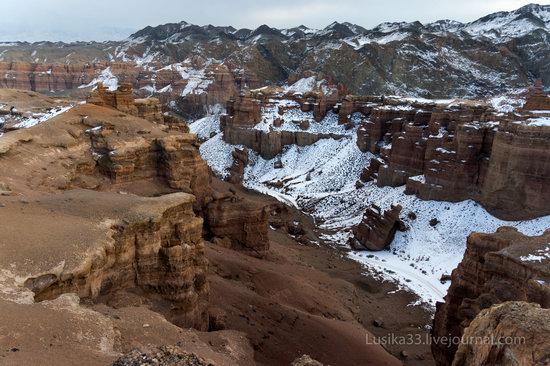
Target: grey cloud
x,y
102,19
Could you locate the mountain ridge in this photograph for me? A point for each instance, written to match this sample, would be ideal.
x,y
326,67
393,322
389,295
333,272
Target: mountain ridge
x,y
491,55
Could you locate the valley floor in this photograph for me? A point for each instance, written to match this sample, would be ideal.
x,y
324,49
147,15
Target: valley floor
x,y
312,299
320,180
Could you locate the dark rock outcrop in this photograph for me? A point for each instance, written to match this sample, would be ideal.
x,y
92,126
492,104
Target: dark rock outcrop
x,y
239,223
377,230
240,161
512,333
500,267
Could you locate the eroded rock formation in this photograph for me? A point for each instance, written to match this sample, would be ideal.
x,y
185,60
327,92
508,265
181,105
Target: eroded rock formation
x,y
240,161
537,99
513,333
238,224
245,112
377,229
153,243
462,151
123,100
499,267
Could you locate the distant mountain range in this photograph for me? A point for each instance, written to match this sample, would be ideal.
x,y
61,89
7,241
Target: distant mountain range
x,y
495,53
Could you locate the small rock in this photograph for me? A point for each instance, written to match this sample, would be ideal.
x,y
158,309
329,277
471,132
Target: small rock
x,y
278,164
146,325
359,184
378,323
402,226
411,215
295,228
434,222
404,354
305,360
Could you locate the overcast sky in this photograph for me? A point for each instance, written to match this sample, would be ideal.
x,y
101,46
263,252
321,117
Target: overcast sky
x,y
108,19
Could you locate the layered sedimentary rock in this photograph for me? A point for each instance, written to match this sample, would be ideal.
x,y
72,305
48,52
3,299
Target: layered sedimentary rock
x,y
270,144
463,151
513,333
192,86
245,112
377,229
238,223
118,242
537,99
175,158
183,168
240,161
123,100
352,104
499,267
517,181
45,78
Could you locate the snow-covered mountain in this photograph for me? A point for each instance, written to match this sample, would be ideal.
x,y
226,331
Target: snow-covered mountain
x,y
498,52
444,59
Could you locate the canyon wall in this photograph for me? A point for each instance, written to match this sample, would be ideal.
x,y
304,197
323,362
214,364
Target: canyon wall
x,y
154,244
440,150
518,334
499,267
191,89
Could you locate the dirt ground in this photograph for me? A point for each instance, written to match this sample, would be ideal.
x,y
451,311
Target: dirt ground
x,y
311,299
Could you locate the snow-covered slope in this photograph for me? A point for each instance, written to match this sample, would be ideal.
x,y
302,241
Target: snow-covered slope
x,y
320,180
504,26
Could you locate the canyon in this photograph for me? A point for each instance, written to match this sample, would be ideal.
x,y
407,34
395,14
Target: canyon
x,y
127,237
203,195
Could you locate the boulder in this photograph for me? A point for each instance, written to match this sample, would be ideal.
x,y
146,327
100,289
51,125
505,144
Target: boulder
x,y
377,230
243,222
512,333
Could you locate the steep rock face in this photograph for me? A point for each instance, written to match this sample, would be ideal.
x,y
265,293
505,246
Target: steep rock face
x,y
462,150
175,158
383,120
240,161
244,113
154,244
522,329
123,100
270,144
377,229
197,91
518,175
45,78
537,99
500,267
455,166
238,223
183,168
149,109
407,156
